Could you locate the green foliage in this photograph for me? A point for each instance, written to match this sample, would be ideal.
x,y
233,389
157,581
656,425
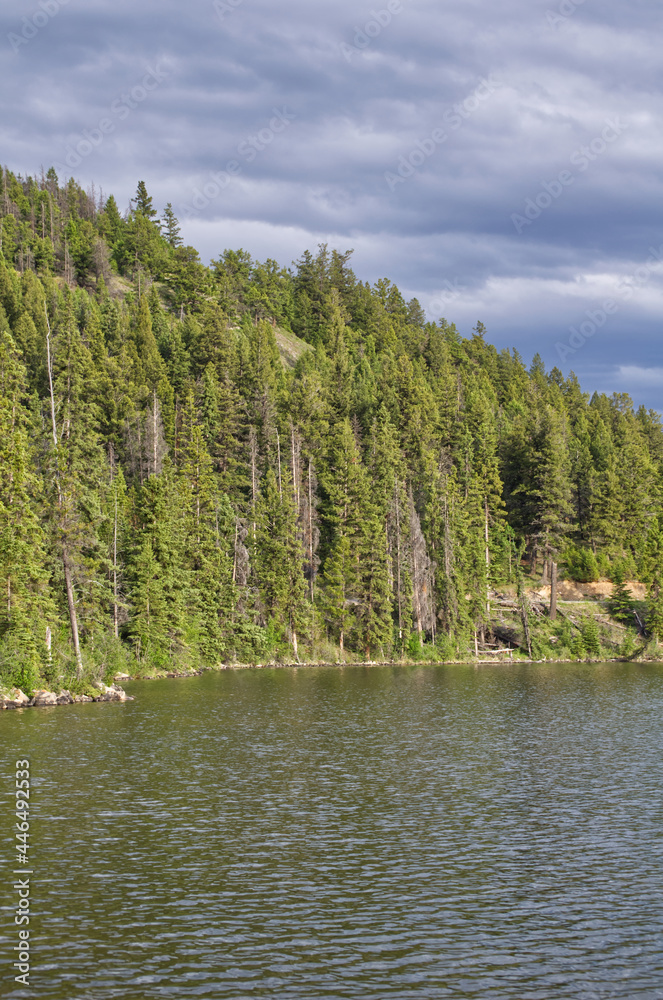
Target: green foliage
x,y
413,646
578,648
196,500
620,601
655,611
581,564
16,671
590,636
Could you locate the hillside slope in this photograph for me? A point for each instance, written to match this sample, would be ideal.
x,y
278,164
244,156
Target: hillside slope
x,y
246,461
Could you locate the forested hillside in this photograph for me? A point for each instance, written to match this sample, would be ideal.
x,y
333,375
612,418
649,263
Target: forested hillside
x,y
246,461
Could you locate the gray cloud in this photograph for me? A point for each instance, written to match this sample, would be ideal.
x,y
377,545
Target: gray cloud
x,y
356,118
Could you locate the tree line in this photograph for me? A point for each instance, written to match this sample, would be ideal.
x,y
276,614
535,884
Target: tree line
x,y
202,464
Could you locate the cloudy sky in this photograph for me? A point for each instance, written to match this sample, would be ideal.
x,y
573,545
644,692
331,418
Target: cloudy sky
x,y
500,161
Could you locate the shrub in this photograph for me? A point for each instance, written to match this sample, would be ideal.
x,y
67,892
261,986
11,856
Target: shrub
x,y
590,636
581,564
413,646
620,601
578,647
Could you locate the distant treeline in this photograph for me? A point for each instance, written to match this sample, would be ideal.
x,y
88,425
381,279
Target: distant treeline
x,y
203,464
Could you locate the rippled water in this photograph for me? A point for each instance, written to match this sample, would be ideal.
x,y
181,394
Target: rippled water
x,y
367,832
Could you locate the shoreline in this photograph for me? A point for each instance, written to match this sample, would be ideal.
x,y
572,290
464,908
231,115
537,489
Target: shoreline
x,y
16,699
42,698
507,661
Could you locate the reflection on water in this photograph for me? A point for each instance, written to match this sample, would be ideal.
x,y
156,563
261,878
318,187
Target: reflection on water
x,y
338,833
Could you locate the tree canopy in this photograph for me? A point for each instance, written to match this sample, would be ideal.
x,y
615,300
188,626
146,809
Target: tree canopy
x,y
216,463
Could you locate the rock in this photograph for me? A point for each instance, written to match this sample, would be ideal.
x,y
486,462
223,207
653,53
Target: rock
x,y
112,693
78,698
65,698
42,697
15,699
122,677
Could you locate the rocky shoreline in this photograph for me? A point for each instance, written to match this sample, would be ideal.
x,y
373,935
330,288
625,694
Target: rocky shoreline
x,y
18,699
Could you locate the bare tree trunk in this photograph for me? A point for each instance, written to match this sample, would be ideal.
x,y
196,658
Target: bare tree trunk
x,y
553,590
295,467
71,603
116,629
422,602
235,554
398,565
487,558
447,541
278,452
524,617
310,535
254,455
154,432
140,453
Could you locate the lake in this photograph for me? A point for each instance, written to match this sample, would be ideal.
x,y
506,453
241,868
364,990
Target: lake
x,y
314,832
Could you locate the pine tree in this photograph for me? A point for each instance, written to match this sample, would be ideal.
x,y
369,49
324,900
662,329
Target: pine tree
x,y
620,601
388,474
374,619
278,560
143,203
167,480
341,585
208,529
27,603
171,227
76,465
590,636
159,579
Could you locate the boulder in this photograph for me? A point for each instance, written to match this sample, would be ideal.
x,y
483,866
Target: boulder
x,y
15,699
65,698
78,698
112,693
42,697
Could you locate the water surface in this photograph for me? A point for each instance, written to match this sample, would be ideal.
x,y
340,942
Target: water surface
x,y
348,833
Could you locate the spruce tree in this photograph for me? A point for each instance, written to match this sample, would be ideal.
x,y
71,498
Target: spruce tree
x,y
142,202
171,227
27,605
620,601
278,560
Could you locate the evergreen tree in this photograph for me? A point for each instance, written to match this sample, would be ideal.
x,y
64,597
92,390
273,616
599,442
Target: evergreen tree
x,y
278,560
27,603
620,601
180,474
171,227
143,203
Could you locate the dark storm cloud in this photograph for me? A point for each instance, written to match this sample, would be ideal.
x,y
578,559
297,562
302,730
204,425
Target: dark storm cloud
x,y
501,162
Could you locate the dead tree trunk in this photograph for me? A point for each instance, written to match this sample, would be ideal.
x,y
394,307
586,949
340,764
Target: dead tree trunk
x,y
487,540
116,628
398,564
310,532
553,590
524,616
253,445
278,452
66,563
